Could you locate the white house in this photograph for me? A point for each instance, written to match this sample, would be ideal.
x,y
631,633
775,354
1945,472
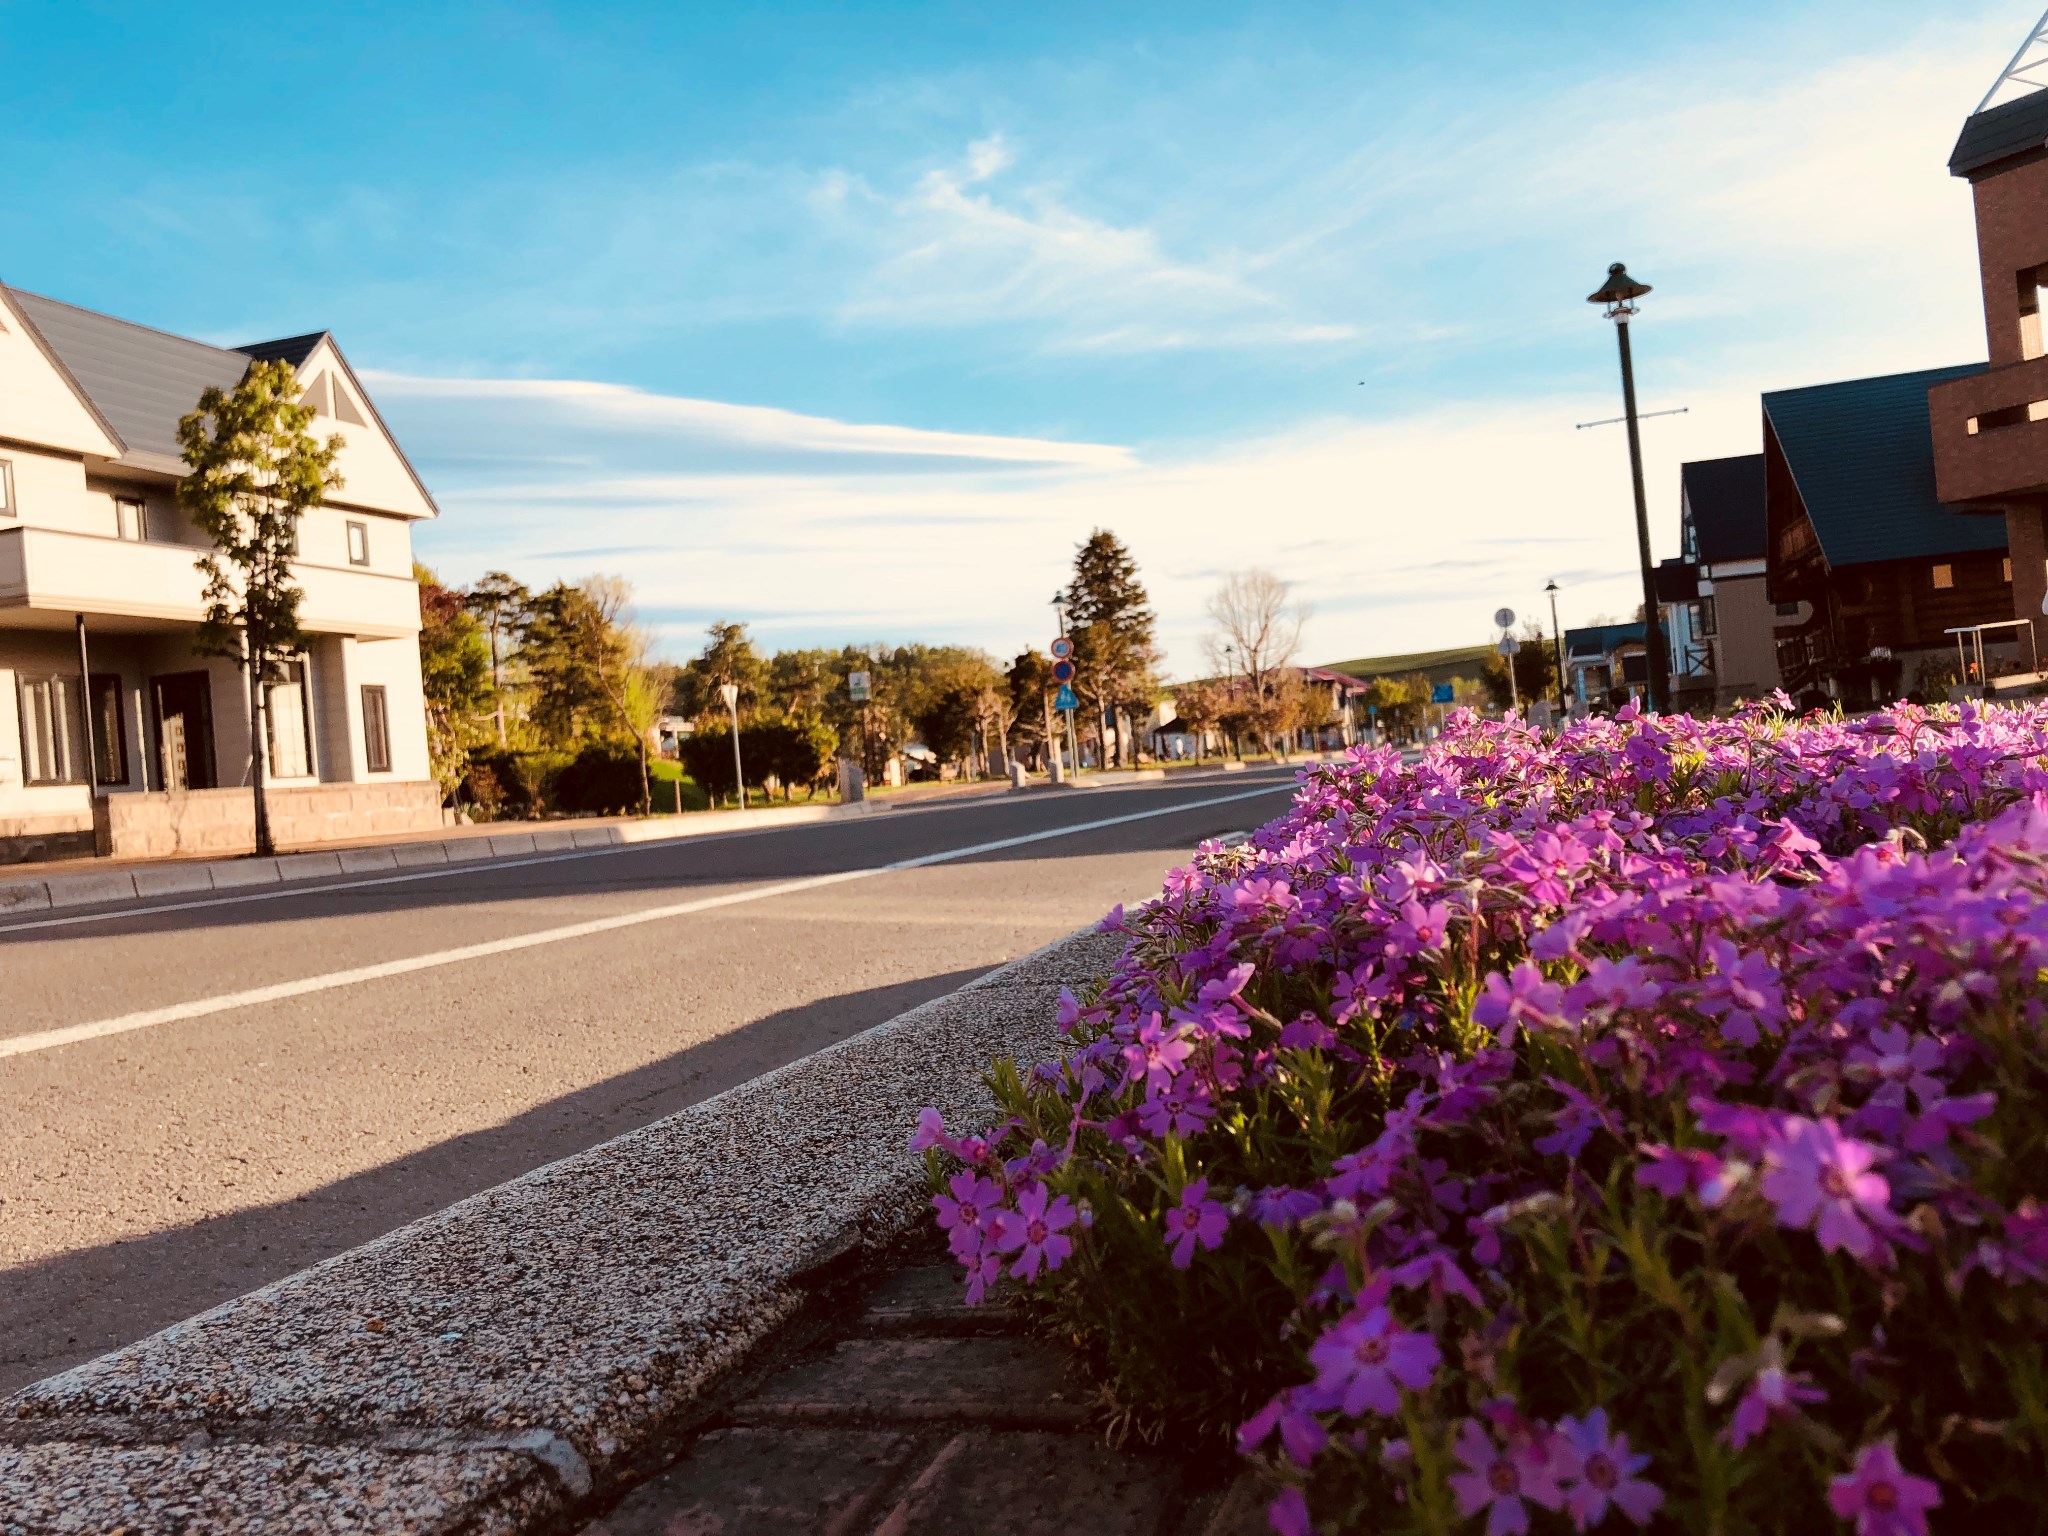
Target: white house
x,y
114,732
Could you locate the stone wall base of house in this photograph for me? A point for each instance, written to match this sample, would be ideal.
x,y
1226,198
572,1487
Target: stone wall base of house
x,y
223,821
59,835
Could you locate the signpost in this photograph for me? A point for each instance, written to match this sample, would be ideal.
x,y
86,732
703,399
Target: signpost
x,y
858,686
1504,620
1063,673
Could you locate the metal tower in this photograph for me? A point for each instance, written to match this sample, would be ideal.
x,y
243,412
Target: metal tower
x,y
2027,72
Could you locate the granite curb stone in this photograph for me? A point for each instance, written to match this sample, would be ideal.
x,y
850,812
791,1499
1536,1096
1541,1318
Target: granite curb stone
x,y
592,1303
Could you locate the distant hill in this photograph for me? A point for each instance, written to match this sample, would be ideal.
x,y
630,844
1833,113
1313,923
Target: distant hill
x,y
1438,666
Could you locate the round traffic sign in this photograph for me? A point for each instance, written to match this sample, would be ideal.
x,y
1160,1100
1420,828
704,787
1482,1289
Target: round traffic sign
x,y
1063,671
1063,647
1504,618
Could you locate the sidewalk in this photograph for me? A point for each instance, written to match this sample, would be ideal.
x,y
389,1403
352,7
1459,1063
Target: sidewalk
x,y
921,1416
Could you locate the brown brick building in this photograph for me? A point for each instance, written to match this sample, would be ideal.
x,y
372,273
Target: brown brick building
x,y
1990,428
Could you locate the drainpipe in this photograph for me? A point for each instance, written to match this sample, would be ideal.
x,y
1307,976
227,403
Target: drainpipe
x,y
92,754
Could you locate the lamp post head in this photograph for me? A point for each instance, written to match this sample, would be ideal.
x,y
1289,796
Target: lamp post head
x,y
729,695
1551,586
1617,293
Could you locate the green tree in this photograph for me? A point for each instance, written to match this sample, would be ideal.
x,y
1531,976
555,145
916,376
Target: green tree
x,y
728,657
254,472
1111,622
1199,706
455,678
501,606
568,706
1031,687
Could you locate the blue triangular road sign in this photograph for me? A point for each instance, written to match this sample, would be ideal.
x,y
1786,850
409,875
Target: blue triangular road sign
x,y
1066,699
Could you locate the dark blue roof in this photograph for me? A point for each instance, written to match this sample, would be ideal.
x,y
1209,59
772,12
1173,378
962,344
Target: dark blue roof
x,y
1601,639
1861,454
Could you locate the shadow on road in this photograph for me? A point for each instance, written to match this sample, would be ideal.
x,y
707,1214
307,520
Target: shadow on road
x,y
59,1311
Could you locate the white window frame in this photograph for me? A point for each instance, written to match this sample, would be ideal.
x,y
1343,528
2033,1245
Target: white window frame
x,y
122,506
52,730
7,506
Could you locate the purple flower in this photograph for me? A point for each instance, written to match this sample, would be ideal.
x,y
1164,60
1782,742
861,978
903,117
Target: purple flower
x,y
1498,1480
1575,1123
1820,1178
1522,995
1676,1171
1033,1232
1182,1111
1603,1472
1881,1496
1156,1055
1197,1219
1366,1358
963,1214
1774,1393
1288,1514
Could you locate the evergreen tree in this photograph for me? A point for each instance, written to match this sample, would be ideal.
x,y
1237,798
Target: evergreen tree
x,y
1110,619
255,471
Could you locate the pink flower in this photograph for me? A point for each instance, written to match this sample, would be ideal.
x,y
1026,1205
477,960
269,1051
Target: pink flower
x,y
1499,1480
1820,1178
1197,1219
1602,1472
1033,1232
1523,995
1881,1496
963,1214
1156,1055
1366,1358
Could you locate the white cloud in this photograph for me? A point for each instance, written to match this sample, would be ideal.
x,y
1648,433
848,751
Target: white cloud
x,y
1403,534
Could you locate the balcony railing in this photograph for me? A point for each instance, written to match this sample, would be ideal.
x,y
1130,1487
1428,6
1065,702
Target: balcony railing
x,y
54,571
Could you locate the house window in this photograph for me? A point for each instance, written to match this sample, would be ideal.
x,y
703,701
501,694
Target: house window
x,y
376,730
52,731
1944,577
1785,610
109,731
131,519
6,488
358,543
2007,569
1703,617
286,723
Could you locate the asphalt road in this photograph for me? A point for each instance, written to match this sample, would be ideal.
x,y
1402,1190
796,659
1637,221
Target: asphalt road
x,y
168,1141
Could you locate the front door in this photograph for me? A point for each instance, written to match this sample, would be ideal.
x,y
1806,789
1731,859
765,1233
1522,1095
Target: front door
x,y
184,729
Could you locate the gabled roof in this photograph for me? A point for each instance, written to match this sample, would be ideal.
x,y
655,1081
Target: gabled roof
x,y
140,380
1440,666
1726,498
1862,457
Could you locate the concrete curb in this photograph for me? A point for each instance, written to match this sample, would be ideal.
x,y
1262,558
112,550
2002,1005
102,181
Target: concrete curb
x,y
184,877
502,1365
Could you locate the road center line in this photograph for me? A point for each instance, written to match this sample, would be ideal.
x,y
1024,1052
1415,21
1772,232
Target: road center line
x,y
121,1024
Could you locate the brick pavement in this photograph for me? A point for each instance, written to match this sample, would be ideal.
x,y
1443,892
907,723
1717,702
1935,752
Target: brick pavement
x,y
923,1417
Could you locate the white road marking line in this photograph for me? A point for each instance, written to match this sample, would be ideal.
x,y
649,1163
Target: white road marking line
x,y
287,889
121,1024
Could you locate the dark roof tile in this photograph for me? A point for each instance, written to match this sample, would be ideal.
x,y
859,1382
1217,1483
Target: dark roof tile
x,y
1999,133
1863,459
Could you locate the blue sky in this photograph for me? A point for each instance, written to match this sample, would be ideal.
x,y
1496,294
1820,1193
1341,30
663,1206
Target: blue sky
x,y
849,321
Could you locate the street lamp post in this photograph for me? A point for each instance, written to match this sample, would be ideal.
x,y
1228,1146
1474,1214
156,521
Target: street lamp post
x,y
730,694
1557,650
1617,294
